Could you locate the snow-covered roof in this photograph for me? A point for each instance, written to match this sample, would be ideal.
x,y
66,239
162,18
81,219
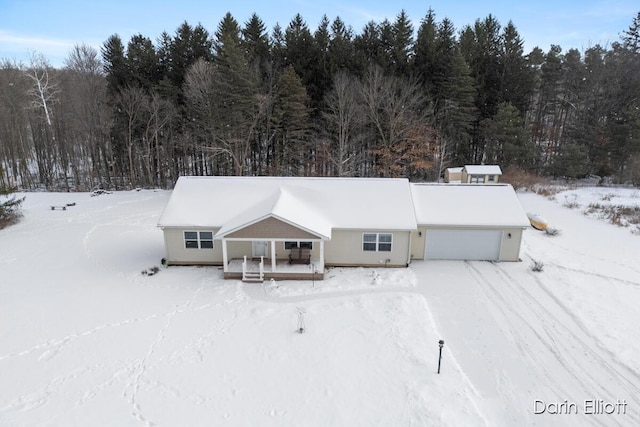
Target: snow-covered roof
x,y
483,169
468,205
454,170
315,204
284,206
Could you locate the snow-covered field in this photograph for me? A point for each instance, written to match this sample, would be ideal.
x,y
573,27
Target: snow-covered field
x,y
87,339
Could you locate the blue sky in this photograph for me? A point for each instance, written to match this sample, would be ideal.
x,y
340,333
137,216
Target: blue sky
x,y
53,27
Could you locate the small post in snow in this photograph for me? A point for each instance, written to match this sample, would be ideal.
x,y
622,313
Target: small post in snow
x,y
441,344
301,313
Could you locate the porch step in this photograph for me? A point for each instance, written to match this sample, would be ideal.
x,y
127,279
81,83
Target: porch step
x,y
252,277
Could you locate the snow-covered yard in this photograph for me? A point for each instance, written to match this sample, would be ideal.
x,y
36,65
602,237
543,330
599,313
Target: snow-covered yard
x,y
87,339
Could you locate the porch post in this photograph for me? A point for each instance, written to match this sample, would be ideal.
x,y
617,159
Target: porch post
x,y
322,254
224,256
273,256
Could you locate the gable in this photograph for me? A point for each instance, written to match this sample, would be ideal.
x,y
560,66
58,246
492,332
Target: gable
x,y
271,228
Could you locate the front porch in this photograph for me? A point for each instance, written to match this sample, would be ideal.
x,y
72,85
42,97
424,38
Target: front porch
x,y
271,247
258,270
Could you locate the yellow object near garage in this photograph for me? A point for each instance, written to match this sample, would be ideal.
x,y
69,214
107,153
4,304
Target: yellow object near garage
x,y
537,222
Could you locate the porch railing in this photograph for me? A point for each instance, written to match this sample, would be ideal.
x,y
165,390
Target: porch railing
x,y
252,276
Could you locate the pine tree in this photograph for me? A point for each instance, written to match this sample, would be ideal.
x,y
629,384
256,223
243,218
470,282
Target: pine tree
x,y
456,113
631,37
321,75
368,47
142,62
188,45
402,44
291,122
425,51
516,78
300,48
236,95
507,142
115,64
9,206
255,44
341,50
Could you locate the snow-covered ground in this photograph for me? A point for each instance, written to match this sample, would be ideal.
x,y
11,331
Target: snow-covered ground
x,y
87,339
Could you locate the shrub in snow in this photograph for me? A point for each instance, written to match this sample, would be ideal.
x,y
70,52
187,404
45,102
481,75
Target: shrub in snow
x,y
150,271
551,231
537,266
522,180
619,215
571,202
549,193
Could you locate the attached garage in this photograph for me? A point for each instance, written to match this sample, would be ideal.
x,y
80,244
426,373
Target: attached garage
x,y
480,245
467,222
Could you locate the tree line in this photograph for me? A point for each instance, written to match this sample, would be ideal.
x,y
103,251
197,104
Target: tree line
x,y
393,100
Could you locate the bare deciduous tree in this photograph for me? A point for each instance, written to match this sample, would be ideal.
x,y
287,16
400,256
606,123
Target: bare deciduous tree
x,y
344,125
134,104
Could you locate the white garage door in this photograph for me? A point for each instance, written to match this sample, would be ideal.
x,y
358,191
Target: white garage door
x,y
481,245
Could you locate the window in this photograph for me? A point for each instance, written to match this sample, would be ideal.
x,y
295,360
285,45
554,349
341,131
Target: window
x,y
198,239
492,178
477,179
293,245
377,242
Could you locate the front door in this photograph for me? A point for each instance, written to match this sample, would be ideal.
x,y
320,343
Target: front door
x,y
260,248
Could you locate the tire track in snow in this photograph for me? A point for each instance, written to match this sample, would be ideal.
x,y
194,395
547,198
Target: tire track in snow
x,y
628,372
599,275
516,323
565,339
573,250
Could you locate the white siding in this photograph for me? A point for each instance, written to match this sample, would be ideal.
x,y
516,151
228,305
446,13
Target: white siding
x,y
345,248
178,254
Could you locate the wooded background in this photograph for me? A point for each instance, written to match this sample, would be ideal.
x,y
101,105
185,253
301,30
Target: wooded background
x,y
393,100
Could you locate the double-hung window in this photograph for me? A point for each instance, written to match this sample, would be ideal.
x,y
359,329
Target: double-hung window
x,y
377,242
294,245
198,239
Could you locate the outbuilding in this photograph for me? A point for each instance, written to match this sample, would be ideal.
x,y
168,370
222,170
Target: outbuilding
x,y
480,174
453,175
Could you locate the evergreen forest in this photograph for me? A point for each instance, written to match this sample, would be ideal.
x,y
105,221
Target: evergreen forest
x,y
399,98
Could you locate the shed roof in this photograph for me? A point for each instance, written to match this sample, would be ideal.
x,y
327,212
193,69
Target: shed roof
x,y
315,204
483,169
468,205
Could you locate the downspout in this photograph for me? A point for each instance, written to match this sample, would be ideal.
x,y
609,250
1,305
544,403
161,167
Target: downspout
x,y
409,251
